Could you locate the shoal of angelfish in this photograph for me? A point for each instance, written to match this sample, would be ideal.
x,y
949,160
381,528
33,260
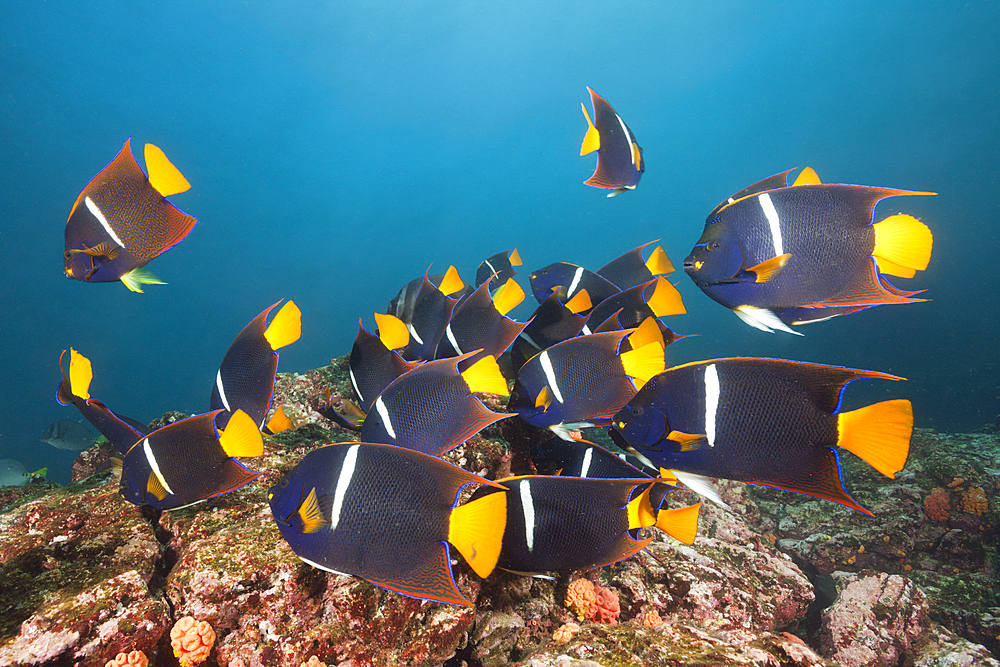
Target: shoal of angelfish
x,y
390,510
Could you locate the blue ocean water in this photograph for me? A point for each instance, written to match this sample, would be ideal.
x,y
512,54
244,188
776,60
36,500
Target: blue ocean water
x,y
336,150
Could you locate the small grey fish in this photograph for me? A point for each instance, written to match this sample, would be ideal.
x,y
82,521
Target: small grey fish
x,y
69,435
12,473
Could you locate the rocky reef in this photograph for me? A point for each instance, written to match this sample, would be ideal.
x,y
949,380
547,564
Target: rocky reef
x,y
776,579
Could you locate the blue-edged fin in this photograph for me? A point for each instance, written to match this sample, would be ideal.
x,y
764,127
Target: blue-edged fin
x,y
484,375
591,140
392,331
279,421
879,434
163,175
768,269
902,245
476,530
680,523
241,437
508,296
285,328
642,363
807,176
139,276
311,514
452,282
658,263
665,300
80,374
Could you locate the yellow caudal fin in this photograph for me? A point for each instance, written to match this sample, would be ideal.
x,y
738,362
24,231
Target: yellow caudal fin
x,y
285,328
311,514
636,157
646,333
640,512
476,530
452,282
680,524
591,140
484,375
879,434
666,300
580,302
807,176
514,259
163,175
80,374
241,437
902,245
139,276
508,296
392,332
643,363
658,262
769,268
279,421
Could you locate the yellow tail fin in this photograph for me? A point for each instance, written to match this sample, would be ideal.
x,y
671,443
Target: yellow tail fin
x,y
163,175
392,332
666,300
514,259
879,434
902,245
680,524
658,262
484,375
643,363
139,276
646,333
279,421
285,328
580,302
241,437
80,374
640,511
476,529
452,282
591,140
807,176
508,296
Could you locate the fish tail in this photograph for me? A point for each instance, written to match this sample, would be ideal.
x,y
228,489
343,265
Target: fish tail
x,y
645,333
476,529
392,331
591,140
279,421
508,296
643,363
452,282
807,176
879,434
665,300
163,175
285,328
680,523
139,276
902,245
241,437
658,262
484,375
80,375
580,302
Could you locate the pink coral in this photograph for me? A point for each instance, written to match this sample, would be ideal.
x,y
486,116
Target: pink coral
x,y
580,598
313,662
565,632
606,608
132,659
937,504
192,640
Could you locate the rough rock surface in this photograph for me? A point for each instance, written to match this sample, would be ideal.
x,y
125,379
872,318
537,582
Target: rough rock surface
x,y
778,579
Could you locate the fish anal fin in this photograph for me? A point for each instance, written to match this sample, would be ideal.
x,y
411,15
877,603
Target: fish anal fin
x,y
879,434
665,300
279,421
768,269
807,176
902,241
485,376
580,302
163,175
452,282
658,262
687,442
139,276
311,514
241,437
392,331
591,140
508,296
285,328
643,363
80,374
476,530
680,523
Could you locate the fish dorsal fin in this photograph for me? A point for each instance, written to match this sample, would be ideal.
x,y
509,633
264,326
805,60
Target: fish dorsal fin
x,y
680,523
452,282
80,374
163,175
687,442
879,434
139,276
515,258
646,333
658,262
902,242
544,398
591,140
241,437
807,176
665,300
640,512
392,331
642,363
484,375
508,296
279,421
580,302
285,328
769,268
311,514
476,529
154,486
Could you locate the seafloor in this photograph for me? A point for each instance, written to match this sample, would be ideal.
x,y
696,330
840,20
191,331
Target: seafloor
x,y
779,579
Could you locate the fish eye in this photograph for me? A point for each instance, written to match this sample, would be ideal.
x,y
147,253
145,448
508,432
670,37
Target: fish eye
x,y
714,245
637,411
283,483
